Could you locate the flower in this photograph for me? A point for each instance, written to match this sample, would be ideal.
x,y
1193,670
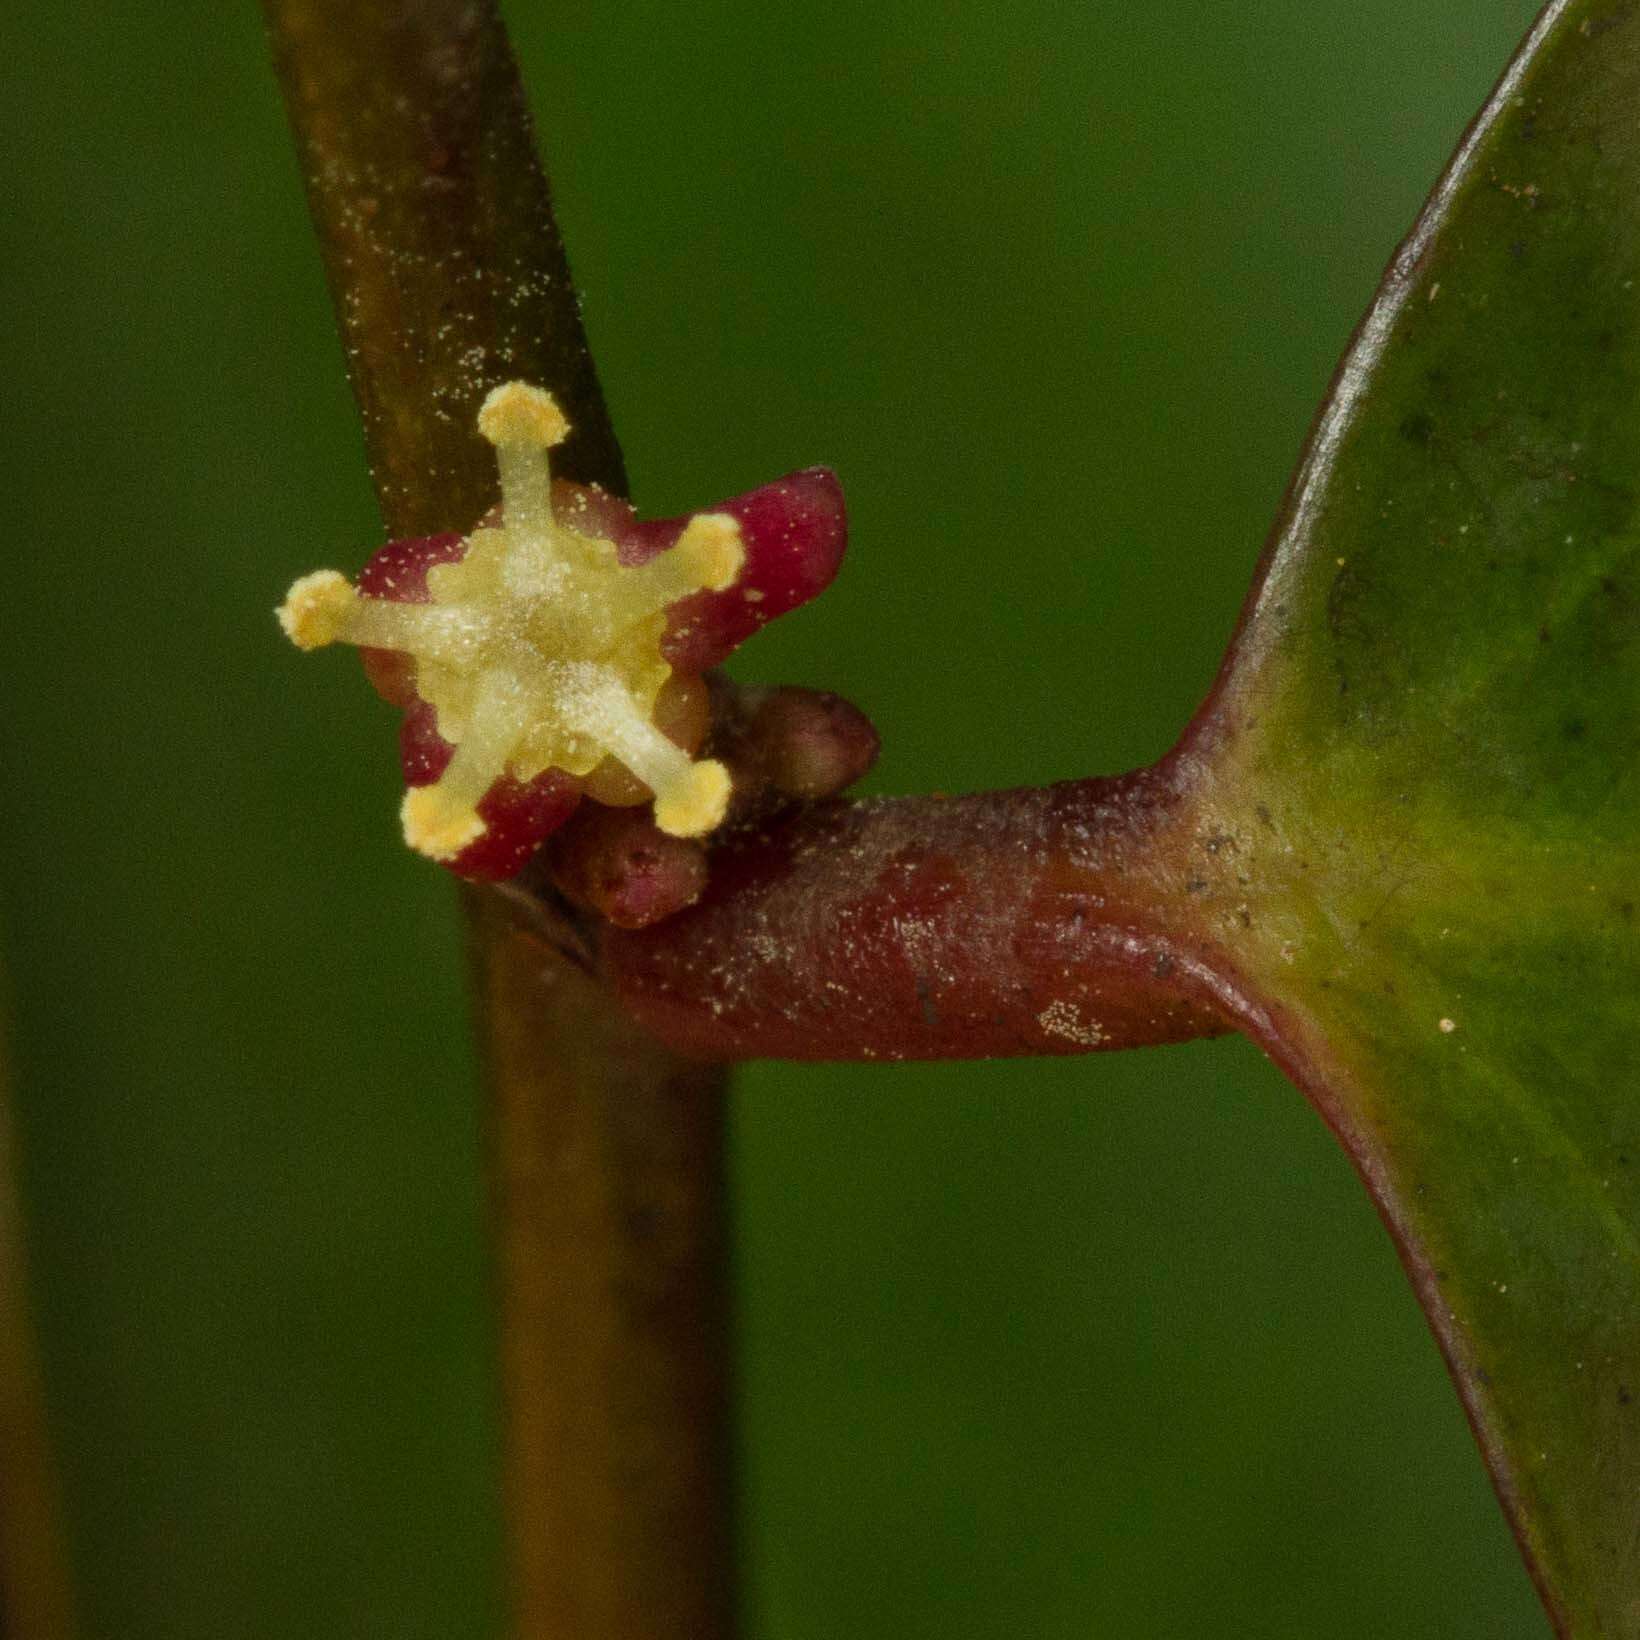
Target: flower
x,y
556,651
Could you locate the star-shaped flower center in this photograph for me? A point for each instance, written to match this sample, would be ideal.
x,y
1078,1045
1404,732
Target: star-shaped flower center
x,y
537,648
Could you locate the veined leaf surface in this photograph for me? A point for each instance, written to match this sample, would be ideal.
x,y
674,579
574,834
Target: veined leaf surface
x,y
1417,810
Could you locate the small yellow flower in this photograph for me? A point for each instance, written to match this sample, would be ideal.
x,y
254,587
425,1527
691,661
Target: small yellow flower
x,y
537,648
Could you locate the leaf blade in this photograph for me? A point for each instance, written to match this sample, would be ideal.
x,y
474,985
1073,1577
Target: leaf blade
x,y
1425,756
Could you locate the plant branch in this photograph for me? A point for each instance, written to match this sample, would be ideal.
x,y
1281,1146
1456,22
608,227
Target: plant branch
x,y
609,1234
446,268
1021,922
448,276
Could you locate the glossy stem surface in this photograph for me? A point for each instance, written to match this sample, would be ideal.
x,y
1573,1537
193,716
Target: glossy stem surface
x,y
607,1193
446,268
448,276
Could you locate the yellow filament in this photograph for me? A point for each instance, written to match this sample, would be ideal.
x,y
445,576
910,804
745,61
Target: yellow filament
x,y
707,557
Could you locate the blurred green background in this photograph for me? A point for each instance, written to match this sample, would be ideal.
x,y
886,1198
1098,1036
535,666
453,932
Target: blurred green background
x,y
1111,1347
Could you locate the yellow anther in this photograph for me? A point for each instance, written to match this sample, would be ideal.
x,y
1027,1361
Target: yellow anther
x,y
315,609
517,413
432,826
696,803
712,547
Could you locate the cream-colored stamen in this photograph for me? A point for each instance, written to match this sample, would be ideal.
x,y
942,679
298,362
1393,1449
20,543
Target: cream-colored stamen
x,y
689,799
442,819
697,802
447,634
517,413
436,827
523,423
537,649
707,557
315,607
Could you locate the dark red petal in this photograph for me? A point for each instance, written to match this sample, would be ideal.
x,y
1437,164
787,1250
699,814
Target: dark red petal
x,y
392,675
794,531
424,753
590,510
518,815
399,570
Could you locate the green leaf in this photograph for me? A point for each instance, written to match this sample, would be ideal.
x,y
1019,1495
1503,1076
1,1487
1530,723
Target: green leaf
x,y
1419,794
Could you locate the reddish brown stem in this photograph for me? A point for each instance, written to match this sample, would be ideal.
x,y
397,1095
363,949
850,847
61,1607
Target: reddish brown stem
x,y
607,1157
1023,922
449,277
446,268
